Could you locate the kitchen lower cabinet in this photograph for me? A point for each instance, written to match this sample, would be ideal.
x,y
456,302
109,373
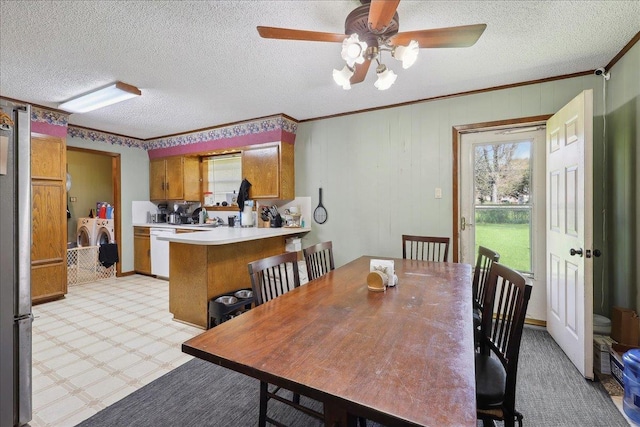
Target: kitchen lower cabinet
x,y
141,250
48,218
174,178
199,272
270,170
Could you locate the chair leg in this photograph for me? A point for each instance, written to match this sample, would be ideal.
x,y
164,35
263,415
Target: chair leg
x,y
296,398
362,421
262,417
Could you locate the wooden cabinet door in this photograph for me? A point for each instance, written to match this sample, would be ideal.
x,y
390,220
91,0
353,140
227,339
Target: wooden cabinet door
x,y
175,174
142,254
49,218
191,179
49,235
157,179
261,167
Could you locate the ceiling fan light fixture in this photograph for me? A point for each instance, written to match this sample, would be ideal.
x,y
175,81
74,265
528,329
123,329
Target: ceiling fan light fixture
x,y
406,54
342,77
353,50
386,77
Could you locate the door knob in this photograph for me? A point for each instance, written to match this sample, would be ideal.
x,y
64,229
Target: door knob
x,y
575,252
597,253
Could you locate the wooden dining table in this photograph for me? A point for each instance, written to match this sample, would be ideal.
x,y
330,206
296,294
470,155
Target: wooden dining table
x,y
401,357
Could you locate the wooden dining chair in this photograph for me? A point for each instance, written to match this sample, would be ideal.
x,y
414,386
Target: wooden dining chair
x,y
270,278
426,248
274,276
486,258
319,259
496,363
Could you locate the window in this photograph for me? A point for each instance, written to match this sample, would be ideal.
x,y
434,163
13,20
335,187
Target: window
x,y
224,175
502,201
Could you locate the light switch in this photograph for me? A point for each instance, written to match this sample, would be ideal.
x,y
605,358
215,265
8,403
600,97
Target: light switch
x,y
438,193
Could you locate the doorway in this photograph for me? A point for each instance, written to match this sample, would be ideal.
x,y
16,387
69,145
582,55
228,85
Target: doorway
x,y
95,176
499,184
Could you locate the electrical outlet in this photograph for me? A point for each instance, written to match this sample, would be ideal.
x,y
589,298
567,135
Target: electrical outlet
x,y
73,199
438,193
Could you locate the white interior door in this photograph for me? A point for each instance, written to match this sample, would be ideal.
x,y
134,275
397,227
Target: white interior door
x,y
569,230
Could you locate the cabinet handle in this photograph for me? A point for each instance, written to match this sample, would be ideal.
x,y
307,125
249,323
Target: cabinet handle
x,y
162,185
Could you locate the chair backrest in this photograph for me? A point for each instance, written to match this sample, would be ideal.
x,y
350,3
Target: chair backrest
x,y
274,276
319,259
426,248
486,258
507,296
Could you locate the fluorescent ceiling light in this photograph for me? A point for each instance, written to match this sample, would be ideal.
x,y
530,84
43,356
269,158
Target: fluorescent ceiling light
x,y
108,95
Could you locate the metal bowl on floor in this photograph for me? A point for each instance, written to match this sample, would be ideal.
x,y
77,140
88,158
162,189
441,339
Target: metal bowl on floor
x,y
244,294
226,299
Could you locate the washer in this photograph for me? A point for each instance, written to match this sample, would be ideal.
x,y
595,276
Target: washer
x,y
105,232
86,232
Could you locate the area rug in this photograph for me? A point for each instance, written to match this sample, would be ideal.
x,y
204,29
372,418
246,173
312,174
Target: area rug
x,y
551,392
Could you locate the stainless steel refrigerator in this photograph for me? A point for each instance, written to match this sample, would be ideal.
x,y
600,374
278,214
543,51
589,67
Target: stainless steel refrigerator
x,y
15,264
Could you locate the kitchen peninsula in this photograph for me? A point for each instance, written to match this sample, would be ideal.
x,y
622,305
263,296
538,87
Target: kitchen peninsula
x,y
204,264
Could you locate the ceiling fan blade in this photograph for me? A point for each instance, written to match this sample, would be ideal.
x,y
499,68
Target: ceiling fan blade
x,y
290,34
464,36
361,72
381,12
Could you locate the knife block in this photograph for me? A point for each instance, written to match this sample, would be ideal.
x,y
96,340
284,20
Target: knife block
x,y
263,224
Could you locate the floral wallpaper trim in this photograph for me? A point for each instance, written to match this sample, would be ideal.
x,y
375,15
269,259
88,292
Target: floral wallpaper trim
x,y
223,144
251,127
55,118
97,136
252,130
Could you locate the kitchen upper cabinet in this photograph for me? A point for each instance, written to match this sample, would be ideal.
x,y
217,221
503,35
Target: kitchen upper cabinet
x,y
142,250
174,178
270,170
48,218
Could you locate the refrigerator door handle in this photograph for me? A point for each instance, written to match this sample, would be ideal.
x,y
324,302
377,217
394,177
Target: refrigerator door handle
x,y
24,212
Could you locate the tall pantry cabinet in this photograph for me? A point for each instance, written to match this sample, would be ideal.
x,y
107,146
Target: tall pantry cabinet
x,y
48,217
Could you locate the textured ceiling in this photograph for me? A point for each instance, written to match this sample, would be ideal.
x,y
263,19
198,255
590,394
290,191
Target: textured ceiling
x,y
202,64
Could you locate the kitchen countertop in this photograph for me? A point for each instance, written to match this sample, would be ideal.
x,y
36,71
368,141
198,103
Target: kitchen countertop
x,y
223,235
176,226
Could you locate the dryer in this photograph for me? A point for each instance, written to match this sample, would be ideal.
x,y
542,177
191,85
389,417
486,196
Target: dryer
x,y
105,232
86,232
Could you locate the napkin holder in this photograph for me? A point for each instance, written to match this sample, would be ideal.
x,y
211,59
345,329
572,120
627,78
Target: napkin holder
x,y
387,267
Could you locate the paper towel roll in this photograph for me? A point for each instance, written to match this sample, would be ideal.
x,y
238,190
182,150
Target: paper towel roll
x,y
247,217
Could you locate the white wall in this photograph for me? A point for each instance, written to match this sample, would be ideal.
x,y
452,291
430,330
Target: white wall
x,y
134,166
379,170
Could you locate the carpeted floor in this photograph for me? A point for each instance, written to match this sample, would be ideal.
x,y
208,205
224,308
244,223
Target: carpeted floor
x,y
551,392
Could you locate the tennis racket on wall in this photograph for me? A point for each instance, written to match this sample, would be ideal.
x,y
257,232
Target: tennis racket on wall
x,y
320,214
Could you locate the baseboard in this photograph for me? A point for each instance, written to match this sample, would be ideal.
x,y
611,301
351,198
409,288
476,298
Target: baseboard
x,y
535,322
127,273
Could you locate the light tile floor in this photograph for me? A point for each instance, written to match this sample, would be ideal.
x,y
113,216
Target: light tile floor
x,y
100,343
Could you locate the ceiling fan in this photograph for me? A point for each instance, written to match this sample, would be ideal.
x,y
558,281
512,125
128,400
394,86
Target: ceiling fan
x,y
373,28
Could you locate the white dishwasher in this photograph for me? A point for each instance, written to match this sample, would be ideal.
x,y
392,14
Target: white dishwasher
x,y
160,251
